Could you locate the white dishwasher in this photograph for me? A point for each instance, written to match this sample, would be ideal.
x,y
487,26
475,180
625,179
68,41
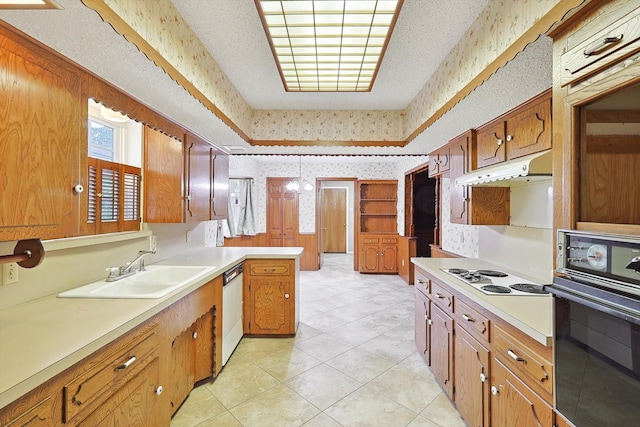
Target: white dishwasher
x,y
231,311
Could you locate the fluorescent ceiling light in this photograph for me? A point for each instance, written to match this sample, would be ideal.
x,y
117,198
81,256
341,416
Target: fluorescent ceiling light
x,y
328,45
29,4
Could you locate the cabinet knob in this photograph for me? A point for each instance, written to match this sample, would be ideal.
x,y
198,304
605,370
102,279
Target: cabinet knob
x,y
78,188
483,377
195,335
509,138
286,296
494,390
159,390
500,141
429,322
426,317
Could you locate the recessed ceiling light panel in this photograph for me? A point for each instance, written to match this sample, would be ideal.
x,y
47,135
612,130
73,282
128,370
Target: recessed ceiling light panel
x,y
29,4
328,45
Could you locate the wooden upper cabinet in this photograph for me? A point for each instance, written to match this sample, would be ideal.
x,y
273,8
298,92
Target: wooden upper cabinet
x,y
461,158
439,161
42,145
521,131
198,178
163,172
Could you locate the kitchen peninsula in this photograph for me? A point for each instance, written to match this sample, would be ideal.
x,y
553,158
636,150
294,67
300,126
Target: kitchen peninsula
x,y
50,337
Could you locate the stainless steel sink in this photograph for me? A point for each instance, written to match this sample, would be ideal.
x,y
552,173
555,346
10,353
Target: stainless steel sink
x,y
156,281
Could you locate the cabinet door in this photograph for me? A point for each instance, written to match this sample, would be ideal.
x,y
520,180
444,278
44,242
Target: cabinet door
x,y
388,259
163,177
460,164
439,161
529,131
369,259
491,144
198,167
513,403
40,133
471,379
203,337
269,300
422,326
442,349
182,362
220,185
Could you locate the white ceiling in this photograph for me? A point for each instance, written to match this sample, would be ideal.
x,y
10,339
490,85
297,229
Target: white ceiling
x,y
231,30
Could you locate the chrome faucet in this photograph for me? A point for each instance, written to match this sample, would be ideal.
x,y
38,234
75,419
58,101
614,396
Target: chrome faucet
x,y
117,273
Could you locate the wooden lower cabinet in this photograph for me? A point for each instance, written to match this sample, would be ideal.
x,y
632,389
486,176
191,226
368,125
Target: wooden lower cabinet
x,y
423,326
269,297
442,349
139,379
378,254
513,403
471,379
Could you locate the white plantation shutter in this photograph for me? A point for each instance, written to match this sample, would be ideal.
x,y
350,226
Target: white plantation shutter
x,y
113,197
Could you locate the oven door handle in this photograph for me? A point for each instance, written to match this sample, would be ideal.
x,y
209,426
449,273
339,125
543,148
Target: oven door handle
x,y
594,303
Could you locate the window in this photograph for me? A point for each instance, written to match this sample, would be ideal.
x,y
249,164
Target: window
x,y
113,196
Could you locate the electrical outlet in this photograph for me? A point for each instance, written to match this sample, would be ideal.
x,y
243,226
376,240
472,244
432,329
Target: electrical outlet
x,y
152,243
10,273
188,236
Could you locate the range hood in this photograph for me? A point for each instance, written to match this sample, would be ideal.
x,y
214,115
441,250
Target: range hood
x,y
532,167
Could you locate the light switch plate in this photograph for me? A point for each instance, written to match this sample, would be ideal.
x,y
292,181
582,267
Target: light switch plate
x,y
152,243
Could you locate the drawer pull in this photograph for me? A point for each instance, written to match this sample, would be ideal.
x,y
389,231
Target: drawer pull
x,y
422,282
515,356
598,46
439,295
126,364
468,318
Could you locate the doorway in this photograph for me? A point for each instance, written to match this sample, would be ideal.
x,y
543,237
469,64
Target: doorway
x,y
422,219
335,216
334,220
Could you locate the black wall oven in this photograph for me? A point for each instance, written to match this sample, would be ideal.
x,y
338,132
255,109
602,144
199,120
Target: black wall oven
x,y
597,329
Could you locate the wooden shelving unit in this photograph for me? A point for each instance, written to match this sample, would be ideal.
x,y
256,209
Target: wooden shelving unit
x,y
377,207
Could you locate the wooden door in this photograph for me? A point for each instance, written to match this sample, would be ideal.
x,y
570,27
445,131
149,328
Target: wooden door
x,y
422,327
163,178
334,220
282,213
471,379
442,349
198,166
40,136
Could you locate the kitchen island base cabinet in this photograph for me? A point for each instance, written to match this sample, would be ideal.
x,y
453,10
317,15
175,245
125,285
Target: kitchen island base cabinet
x,y
270,297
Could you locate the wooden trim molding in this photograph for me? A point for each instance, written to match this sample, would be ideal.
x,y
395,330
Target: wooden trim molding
x,y
325,143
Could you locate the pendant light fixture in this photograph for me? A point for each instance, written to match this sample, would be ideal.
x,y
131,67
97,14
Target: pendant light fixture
x,y
298,184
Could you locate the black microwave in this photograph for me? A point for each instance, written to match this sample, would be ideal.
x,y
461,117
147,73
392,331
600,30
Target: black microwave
x,y
609,260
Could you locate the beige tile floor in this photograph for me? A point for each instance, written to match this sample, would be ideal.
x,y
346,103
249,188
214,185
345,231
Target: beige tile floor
x,y
353,362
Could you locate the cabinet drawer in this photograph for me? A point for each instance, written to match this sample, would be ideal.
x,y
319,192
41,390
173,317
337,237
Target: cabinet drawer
x,y
106,375
601,47
39,415
442,297
422,282
472,321
526,363
389,240
370,240
270,269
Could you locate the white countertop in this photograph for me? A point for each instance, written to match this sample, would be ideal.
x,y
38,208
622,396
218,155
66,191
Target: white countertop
x,y
532,314
41,338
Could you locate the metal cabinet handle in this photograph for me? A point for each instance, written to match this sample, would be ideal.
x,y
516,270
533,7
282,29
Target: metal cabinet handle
x,y
429,322
468,318
126,364
439,295
515,356
598,46
494,390
483,377
286,296
159,390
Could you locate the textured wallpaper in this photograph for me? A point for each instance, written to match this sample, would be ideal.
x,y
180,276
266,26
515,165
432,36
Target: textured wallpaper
x,y
158,22
457,238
